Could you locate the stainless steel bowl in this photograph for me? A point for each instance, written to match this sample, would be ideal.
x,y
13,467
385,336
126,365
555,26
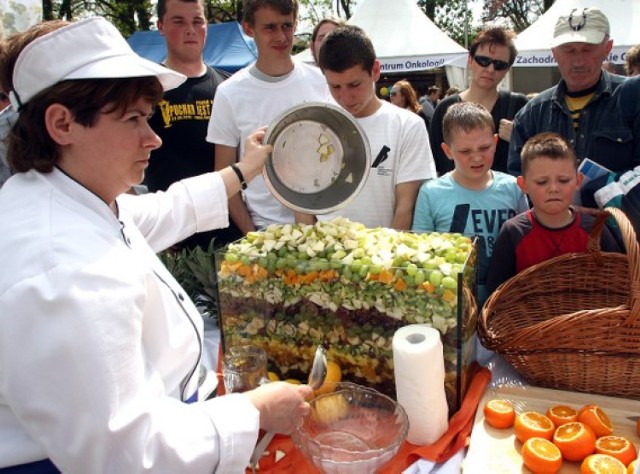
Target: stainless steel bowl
x,y
320,160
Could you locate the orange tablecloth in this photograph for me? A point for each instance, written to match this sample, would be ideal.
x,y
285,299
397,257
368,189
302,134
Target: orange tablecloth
x,y
456,438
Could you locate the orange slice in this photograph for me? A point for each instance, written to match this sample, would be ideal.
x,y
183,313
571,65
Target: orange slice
x,y
575,441
541,455
499,413
597,420
273,377
561,414
602,464
530,424
618,447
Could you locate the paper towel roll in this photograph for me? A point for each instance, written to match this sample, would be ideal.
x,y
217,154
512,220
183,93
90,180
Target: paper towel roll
x,y
419,374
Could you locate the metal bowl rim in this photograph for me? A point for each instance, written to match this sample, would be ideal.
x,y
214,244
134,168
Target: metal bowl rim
x,y
334,108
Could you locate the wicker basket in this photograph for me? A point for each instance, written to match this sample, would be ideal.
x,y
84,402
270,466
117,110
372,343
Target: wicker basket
x,y
573,322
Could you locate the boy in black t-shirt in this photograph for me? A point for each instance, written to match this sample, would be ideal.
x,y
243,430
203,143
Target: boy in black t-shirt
x,y
182,116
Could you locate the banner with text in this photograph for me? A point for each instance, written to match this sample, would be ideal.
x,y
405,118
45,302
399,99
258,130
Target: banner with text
x,y
421,63
544,58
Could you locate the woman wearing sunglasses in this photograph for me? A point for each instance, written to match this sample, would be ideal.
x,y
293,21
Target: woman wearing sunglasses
x,y
491,55
404,96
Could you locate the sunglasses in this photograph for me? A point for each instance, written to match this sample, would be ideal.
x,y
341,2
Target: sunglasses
x,y
485,61
393,93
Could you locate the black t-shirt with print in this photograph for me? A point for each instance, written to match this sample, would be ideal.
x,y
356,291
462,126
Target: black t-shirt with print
x,y
180,120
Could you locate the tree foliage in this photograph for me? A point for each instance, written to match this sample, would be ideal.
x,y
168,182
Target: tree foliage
x,y
220,11
518,14
132,15
127,15
451,16
313,11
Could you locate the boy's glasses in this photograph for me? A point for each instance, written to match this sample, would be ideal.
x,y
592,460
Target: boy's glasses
x,y
485,61
393,93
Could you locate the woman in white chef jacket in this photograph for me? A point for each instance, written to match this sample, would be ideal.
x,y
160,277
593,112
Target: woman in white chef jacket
x,y
100,348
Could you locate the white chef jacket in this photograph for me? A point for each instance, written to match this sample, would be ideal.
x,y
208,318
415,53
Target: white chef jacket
x,y
99,345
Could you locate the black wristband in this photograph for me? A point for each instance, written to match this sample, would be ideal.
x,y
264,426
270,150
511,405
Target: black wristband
x,y
240,176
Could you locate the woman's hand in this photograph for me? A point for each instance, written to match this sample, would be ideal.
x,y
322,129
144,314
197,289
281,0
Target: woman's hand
x,y
282,405
255,154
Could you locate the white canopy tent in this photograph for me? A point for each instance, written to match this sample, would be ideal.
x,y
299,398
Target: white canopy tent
x,y
406,40
534,43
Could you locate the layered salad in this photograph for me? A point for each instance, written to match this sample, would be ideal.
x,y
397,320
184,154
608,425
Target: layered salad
x,y
289,288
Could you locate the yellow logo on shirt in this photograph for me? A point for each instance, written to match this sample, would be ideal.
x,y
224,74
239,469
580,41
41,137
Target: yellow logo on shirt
x,y
197,110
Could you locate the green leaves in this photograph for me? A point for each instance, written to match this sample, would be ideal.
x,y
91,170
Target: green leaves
x,y
195,271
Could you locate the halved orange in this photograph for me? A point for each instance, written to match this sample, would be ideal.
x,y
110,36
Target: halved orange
x,y
541,455
334,375
602,464
631,468
499,413
561,414
597,419
530,424
617,446
575,441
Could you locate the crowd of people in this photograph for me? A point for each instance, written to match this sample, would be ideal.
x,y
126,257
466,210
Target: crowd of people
x,y
101,361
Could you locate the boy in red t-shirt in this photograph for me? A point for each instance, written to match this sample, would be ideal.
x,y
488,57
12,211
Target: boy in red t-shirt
x,y
553,226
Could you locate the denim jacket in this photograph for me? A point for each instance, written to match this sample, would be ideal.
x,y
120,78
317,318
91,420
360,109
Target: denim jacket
x,y
609,131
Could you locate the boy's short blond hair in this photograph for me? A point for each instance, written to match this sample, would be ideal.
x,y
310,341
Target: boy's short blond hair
x,y
465,116
547,145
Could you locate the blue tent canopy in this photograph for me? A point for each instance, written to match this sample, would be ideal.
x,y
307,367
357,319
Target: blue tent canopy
x,y
227,46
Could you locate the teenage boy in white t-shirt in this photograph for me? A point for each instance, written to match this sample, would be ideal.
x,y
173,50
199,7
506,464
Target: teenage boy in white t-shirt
x,y
400,151
255,96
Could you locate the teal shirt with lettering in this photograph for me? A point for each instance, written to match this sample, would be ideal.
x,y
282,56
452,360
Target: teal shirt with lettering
x,y
443,205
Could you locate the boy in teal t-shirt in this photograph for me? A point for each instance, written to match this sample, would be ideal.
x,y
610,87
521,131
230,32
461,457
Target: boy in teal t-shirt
x,y
472,199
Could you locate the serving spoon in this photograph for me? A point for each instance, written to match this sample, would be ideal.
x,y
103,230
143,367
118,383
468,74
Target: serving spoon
x,y
316,378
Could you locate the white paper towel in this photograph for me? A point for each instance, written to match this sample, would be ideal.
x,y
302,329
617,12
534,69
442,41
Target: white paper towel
x,y
419,374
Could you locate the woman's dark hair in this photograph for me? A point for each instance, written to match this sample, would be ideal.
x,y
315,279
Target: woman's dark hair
x,y
29,144
495,36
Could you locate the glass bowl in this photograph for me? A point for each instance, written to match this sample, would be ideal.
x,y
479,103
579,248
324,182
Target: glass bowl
x,y
354,429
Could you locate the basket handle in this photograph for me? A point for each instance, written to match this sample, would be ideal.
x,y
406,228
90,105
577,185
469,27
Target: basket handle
x,y
633,254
